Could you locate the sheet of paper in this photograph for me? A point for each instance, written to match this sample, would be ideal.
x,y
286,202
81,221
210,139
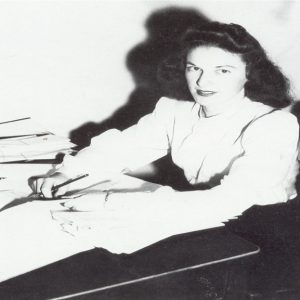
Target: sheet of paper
x,y
100,230
33,147
29,236
19,126
135,220
38,233
31,239
6,197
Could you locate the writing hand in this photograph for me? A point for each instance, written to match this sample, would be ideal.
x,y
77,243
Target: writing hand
x,y
44,185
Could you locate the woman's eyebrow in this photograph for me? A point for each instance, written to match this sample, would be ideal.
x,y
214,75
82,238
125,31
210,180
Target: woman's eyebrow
x,y
227,66
190,63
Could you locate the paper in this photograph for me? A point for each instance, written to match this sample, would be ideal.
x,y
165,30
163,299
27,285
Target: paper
x,y
20,126
31,239
6,197
97,229
36,147
132,221
46,231
23,140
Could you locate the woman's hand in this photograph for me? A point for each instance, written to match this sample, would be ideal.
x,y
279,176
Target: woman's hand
x,y
44,185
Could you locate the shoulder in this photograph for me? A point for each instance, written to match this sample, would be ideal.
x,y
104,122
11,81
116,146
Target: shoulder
x,y
267,117
174,107
277,120
275,127
174,103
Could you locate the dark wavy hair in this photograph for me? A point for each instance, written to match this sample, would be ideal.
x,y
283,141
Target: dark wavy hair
x,y
265,81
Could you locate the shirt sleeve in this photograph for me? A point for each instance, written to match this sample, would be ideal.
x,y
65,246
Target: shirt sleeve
x,y
259,176
117,151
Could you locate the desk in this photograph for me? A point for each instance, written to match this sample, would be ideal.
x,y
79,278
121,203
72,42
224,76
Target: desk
x,y
32,239
207,262
275,229
171,265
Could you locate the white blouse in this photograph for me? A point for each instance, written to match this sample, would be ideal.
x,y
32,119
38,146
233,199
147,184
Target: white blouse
x,y
247,154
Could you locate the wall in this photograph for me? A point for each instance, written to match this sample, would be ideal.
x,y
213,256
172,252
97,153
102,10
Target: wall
x,y
64,62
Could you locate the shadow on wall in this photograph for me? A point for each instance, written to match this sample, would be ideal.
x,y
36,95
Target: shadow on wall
x,y
164,28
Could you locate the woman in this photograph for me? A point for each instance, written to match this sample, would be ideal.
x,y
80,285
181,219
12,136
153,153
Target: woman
x,y
233,137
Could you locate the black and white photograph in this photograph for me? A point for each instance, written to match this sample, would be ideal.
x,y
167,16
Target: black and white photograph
x,y
149,149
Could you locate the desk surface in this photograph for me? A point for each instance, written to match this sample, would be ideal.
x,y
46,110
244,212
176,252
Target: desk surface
x,y
98,270
29,225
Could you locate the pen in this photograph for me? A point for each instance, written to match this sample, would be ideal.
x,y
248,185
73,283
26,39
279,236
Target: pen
x,y
11,121
56,187
79,193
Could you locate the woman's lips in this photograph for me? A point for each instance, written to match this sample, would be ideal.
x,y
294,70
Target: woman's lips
x,y
205,93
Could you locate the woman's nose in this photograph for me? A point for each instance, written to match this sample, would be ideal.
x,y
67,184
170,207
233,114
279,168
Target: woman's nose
x,y
203,79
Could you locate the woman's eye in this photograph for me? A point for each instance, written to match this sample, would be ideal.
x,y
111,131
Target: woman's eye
x,y
192,68
223,71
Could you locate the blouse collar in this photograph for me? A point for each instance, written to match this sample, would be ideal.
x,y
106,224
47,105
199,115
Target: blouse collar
x,y
233,106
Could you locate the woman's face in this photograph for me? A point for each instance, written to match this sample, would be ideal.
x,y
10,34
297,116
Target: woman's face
x,y
214,76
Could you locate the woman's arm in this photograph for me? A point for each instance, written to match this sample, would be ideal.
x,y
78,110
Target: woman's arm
x,y
134,220
115,152
260,176
263,175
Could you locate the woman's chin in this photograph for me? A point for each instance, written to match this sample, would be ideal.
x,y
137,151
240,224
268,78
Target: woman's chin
x,y
204,101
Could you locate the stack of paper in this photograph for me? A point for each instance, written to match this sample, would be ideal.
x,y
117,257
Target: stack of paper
x,y
24,140
34,147
19,127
